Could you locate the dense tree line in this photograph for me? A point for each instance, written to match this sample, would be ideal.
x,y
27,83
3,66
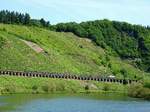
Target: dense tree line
x,y
8,17
128,41
14,17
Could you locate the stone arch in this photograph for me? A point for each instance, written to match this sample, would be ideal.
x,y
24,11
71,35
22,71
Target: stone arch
x,y
98,79
117,80
33,74
130,81
62,76
14,73
79,78
56,76
88,78
95,79
92,78
21,73
105,80
121,81
1,72
17,73
8,72
113,80
68,76
65,76
36,75
24,74
101,79
30,75
53,75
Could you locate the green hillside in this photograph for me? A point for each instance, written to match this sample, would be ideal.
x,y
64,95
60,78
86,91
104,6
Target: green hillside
x,y
129,42
62,53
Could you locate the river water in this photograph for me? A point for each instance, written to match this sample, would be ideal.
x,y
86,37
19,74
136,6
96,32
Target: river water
x,y
72,103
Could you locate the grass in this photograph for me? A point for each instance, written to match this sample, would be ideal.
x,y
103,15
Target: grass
x,y
21,85
65,53
12,84
36,85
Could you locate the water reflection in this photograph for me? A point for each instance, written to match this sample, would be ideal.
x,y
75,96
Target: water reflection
x,y
72,103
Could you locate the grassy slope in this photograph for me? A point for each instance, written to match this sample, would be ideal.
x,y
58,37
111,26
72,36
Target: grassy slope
x,y
66,53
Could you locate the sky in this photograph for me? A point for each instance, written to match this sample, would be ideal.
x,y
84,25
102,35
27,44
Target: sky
x,y
56,11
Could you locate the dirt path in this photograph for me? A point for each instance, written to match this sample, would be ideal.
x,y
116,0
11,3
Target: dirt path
x,y
34,46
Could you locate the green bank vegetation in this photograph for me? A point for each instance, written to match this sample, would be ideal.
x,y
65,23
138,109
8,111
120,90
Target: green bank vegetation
x,y
10,84
140,90
19,85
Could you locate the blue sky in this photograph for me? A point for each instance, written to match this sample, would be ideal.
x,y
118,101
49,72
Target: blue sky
x,y
56,11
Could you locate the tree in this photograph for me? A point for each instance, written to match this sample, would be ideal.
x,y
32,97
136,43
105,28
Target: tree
x,y
47,24
27,19
126,40
8,17
12,16
17,18
43,22
21,18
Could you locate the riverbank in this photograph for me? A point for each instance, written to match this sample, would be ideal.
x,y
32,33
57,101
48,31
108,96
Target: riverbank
x,y
12,84
140,90
30,85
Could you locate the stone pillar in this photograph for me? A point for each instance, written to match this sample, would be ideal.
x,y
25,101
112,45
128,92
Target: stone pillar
x,y
101,79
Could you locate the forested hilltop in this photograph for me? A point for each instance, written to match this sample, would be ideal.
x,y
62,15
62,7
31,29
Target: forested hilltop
x,y
131,42
12,17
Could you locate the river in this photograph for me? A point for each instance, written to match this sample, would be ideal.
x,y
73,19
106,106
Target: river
x,y
72,103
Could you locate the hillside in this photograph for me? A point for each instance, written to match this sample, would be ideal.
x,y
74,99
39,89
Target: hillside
x,y
129,42
60,52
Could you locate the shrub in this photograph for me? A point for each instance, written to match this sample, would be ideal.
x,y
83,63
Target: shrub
x,y
9,89
106,87
60,87
124,72
35,87
109,65
80,46
4,29
49,87
87,87
103,62
147,84
139,91
45,88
